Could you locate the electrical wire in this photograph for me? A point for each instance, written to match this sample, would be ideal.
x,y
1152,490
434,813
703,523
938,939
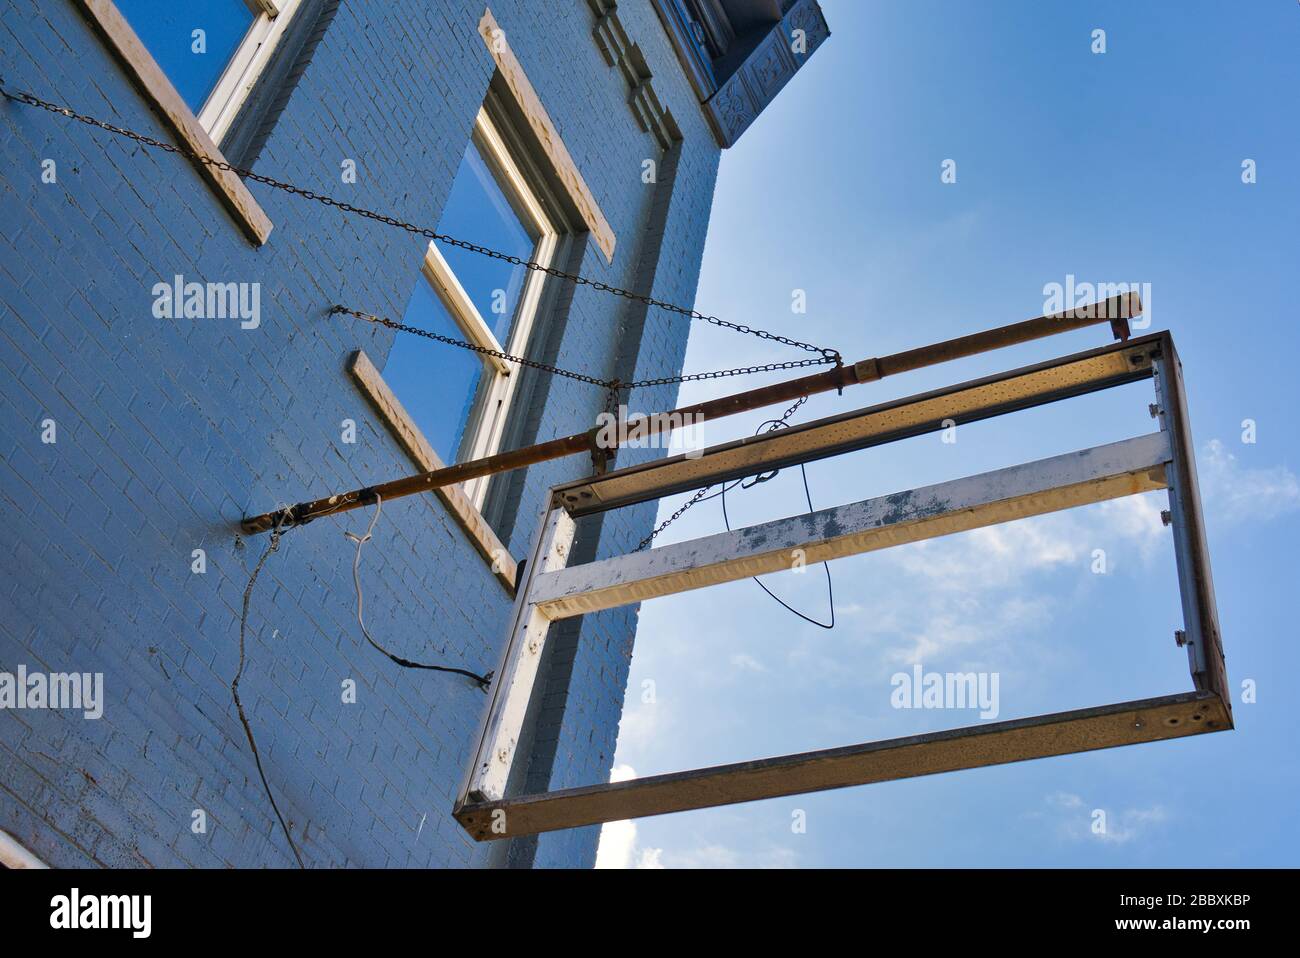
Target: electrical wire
x,y
703,495
234,690
830,588
483,680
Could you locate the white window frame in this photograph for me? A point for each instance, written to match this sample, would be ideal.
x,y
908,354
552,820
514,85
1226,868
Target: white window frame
x,y
487,419
246,65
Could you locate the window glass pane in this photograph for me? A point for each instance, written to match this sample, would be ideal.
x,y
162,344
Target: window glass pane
x,y
477,210
435,383
166,28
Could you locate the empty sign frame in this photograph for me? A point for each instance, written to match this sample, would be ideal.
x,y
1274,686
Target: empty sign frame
x,y
552,590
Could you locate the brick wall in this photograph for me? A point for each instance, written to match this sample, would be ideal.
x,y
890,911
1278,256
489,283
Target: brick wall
x,y
169,431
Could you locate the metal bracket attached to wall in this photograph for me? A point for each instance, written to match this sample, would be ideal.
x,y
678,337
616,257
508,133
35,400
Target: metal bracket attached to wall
x,y
551,590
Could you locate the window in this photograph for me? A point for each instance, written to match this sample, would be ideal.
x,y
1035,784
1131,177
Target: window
x,y
215,69
459,399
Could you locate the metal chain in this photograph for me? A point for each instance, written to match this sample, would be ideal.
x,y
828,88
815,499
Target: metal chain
x,y
828,356
785,416
671,519
613,393
723,373
700,494
472,347
609,385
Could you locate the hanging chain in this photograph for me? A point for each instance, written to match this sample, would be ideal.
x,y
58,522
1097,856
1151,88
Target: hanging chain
x,y
739,371
472,347
613,392
785,416
827,356
608,385
702,493
654,533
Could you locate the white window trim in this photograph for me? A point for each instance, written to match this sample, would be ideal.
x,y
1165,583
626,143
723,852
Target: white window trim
x,y
246,65
487,420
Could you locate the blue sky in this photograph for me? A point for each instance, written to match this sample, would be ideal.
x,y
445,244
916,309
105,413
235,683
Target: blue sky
x,y
1124,166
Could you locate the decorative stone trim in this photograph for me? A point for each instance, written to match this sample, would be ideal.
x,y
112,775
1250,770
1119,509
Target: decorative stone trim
x,y
624,55
412,439
733,102
540,121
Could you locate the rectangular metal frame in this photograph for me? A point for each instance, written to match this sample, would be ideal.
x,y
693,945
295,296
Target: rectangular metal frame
x,y
551,590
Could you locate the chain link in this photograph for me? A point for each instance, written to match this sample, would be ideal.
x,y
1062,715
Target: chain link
x,y
700,494
472,347
723,373
828,356
654,533
611,386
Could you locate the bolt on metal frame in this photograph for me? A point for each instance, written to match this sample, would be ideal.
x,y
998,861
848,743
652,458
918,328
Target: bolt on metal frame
x,y
551,590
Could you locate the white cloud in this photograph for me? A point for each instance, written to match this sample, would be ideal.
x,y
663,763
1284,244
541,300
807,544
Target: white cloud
x,y
1004,555
1132,823
708,856
714,855
618,842
643,723
747,663
1134,520
968,623
1078,821
1237,493
650,858
970,591
617,845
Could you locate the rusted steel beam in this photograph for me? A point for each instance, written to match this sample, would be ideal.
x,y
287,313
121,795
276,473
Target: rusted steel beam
x,y
997,743
1116,311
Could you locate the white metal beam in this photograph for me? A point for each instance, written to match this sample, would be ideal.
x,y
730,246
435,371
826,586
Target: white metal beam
x,y
1090,475
513,685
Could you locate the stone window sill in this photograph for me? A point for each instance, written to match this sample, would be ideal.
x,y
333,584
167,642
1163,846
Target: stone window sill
x,y
409,436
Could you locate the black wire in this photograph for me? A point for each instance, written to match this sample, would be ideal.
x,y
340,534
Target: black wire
x,y
830,588
484,681
234,690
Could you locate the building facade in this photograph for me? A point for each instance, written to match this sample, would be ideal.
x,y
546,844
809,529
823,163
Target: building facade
x,y
173,365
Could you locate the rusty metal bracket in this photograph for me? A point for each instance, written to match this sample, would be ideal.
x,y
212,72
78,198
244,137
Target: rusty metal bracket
x,y
1122,306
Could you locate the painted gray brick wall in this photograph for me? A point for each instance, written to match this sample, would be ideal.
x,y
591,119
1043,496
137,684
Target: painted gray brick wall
x,y
169,431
